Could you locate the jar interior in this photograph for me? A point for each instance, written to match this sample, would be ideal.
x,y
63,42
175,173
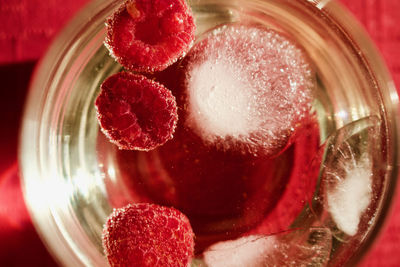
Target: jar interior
x,y
84,170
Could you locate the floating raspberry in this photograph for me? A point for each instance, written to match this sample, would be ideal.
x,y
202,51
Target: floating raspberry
x,y
150,35
249,88
136,113
148,235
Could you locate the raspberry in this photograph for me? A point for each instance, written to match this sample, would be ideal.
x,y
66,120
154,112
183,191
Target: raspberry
x,y
136,113
150,35
148,235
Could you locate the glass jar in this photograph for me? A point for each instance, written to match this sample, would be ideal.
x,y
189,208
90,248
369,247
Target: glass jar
x,y
70,176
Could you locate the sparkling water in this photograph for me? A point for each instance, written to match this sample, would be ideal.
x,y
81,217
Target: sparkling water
x,y
293,208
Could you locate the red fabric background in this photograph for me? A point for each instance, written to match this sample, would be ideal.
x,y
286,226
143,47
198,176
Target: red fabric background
x,y
27,27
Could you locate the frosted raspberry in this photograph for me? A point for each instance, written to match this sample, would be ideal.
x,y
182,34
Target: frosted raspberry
x,y
148,235
150,35
136,113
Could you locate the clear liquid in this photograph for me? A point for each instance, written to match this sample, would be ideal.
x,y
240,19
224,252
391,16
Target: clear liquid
x,y
224,194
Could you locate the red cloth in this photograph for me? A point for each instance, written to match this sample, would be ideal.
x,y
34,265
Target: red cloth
x,y
381,20
26,28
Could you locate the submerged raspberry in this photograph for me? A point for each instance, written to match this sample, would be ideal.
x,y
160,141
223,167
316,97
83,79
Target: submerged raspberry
x,y
148,235
136,113
150,35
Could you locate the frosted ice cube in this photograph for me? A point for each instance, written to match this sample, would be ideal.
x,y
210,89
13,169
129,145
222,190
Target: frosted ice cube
x,y
303,247
347,176
351,196
242,252
221,100
249,87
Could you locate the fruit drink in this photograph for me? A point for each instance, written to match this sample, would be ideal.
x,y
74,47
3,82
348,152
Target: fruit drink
x,y
243,132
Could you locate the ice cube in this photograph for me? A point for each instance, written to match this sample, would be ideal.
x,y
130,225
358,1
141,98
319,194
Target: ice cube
x,y
347,176
249,87
302,247
242,252
351,196
221,101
